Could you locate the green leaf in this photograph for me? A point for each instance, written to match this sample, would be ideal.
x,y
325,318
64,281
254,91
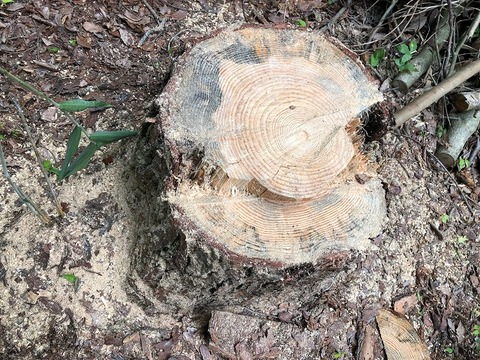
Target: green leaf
x,y
405,58
462,239
409,67
403,48
462,163
47,165
80,105
82,160
4,2
72,42
106,137
412,45
71,278
300,23
377,56
476,330
444,218
449,350
53,49
72,147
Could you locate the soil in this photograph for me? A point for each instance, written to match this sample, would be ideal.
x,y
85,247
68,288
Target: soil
x,y
422,265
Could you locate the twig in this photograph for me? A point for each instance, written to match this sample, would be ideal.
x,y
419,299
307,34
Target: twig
x,y
30,88
149,32
444,169
454,181
451,24
468,35
38,157
35,209
382,20
154,13
475,151
336,17
432,95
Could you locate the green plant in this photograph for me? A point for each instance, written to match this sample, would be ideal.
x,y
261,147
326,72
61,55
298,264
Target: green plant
x,y
462,240
440,131
376,58
338,355
72,162
71,278
300,23
462,163
448,350
406,53
53,49
72,42
4,2
444,218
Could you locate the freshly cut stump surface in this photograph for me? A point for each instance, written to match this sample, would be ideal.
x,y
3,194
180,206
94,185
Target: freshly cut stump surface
x,y
261,125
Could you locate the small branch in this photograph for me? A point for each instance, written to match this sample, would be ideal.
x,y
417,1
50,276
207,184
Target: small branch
x,y
38,157
45,97
432,95
34,208
468,35
336,17
382,20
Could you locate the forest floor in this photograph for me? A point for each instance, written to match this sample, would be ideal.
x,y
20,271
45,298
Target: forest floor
x,y
67,290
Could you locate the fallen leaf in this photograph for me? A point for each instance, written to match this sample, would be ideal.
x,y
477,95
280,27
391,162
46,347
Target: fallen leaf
x,y
92,28
405,304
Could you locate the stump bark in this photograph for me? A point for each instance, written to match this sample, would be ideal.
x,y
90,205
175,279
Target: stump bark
x,y
262,168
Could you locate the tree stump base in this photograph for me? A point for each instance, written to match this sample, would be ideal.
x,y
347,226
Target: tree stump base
x,y
260,179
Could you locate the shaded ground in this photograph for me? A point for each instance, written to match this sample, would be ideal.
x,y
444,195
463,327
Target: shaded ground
x,y
430,265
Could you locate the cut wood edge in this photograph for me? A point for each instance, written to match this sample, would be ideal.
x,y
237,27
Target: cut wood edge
x,y
462,127
400,340
202,209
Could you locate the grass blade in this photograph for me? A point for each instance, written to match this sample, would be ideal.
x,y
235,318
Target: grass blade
x,y
106,137
72,147
81,161
80,105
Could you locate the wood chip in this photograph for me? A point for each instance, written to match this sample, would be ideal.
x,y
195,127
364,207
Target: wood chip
x,y
400,339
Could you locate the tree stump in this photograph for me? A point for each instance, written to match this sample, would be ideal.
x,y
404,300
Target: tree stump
x,y
263,166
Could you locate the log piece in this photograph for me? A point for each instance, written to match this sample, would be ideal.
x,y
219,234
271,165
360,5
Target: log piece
x,y
463,125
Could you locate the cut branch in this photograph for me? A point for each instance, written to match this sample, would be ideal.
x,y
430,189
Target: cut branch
x,y
466,101
434,94
462,127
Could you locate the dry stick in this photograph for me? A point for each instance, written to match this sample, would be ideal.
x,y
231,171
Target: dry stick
x,y
30,88
382,20
336,17
34,208
435,93
38,157
468,35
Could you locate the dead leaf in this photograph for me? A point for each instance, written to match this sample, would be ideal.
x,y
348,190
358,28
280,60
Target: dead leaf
x,y
92,28
127,38
405,304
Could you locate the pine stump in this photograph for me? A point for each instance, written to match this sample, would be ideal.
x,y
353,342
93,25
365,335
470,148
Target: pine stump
x,y
264,169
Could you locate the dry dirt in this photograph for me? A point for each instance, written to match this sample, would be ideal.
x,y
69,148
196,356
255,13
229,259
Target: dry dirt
x,y
110,313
